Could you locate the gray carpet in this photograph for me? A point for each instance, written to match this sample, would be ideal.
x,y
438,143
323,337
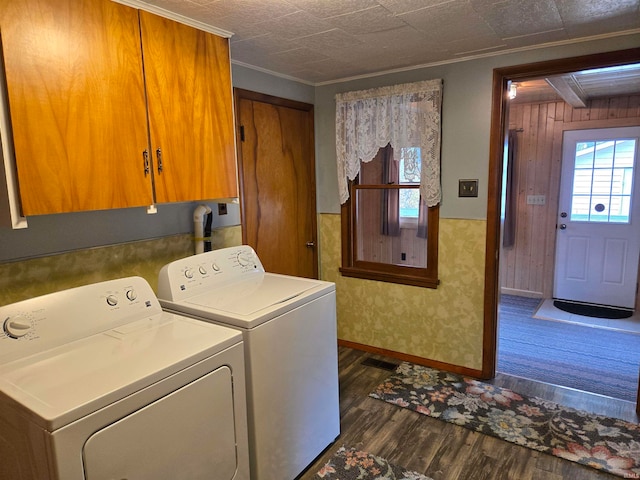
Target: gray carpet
x,y
592,359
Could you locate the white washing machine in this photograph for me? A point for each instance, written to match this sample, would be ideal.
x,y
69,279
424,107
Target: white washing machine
x,y
289,330
98,383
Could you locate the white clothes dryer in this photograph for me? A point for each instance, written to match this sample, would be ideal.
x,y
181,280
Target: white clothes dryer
x,y
98,382
289,330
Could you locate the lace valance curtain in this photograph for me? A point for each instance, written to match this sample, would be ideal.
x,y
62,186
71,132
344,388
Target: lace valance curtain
x,y
404,116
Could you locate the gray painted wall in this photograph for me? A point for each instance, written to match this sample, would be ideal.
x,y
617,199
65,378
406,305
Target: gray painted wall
x,y
258,81
466,117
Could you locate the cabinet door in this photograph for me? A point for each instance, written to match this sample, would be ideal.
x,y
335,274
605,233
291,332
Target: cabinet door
x,y
77,105
188,80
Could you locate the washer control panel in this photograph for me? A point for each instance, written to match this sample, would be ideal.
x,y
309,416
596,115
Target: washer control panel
x,y
57,318
181,278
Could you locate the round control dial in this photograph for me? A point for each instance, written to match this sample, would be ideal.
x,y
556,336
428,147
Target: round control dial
x,y
112,300
131,295
17,326
245,259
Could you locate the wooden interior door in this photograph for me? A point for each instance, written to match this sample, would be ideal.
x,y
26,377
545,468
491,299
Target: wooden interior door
x,y
188,81
76,101
277,182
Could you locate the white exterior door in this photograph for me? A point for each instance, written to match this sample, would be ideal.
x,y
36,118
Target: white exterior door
x,y
598,233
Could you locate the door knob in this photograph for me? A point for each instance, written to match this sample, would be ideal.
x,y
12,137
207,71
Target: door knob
x,y
310,244
563,226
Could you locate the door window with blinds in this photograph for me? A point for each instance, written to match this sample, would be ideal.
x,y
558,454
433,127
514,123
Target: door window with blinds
x,y
602,180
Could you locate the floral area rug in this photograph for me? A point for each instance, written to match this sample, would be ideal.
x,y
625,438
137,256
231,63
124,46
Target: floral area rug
x,y
352,464
603,443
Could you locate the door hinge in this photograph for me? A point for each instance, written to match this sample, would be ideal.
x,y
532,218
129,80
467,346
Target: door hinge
x,y
242,133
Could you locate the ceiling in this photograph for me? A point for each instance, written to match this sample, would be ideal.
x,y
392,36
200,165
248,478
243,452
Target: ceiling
x,y
323,41
577,88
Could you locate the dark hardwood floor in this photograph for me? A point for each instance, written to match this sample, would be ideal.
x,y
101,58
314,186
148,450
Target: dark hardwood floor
x,y
445,451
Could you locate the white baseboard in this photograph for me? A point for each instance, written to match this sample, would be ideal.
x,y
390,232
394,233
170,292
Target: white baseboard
x,y
521,293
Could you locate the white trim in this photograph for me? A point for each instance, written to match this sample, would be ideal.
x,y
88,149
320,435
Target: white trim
x,y
271,72
521,293
175,16
9,193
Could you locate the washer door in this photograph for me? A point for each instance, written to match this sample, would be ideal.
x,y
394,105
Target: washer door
x,y
188,434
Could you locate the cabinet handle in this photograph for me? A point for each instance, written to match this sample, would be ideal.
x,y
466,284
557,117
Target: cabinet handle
x,y
159,157
145,159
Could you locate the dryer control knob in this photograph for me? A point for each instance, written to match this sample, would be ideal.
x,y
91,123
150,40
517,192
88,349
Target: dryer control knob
x,y
131,295
112,300
17,326
188,273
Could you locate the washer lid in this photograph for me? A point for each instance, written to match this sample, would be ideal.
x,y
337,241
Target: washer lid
x,y
63,384
256,293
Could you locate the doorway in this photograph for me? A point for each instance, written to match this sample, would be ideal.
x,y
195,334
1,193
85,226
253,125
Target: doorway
x,y
276,166
502,78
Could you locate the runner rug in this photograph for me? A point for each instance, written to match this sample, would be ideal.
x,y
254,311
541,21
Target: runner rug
x,y
603,443
352,464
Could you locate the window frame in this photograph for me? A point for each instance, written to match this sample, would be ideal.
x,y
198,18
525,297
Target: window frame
x,y
385,272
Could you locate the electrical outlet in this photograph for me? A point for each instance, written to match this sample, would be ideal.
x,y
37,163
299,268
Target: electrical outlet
x,y
222,209
467,188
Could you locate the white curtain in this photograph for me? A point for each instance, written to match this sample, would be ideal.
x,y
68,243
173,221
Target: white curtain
x,y
406,115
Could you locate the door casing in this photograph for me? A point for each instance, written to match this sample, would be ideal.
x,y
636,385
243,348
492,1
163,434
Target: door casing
x,y
499,122
276,170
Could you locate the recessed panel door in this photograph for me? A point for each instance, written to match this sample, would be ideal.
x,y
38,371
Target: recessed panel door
x,y
186,435
598,235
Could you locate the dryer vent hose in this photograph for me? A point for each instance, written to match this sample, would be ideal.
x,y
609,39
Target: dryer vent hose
x,y
202,228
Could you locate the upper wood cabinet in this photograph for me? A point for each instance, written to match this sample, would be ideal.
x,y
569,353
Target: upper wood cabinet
x,y
189,93
82,120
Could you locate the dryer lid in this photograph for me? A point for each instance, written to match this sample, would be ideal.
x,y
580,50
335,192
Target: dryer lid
x,y
68,382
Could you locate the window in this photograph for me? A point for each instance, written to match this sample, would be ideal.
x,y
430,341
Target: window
x,y
389,234
390,195
602,178
409,174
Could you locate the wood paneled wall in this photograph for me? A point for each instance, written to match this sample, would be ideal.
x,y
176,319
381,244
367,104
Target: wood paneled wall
x,y
527,267
373,246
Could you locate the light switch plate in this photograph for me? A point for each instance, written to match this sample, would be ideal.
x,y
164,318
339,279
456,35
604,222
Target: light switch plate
x,y
536,199
467,188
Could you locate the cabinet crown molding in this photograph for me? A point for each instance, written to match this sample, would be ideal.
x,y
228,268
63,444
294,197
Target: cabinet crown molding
x,y
176,16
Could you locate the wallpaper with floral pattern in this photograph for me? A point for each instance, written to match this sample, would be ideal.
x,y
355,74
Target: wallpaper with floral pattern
x,y
38,276
443,324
